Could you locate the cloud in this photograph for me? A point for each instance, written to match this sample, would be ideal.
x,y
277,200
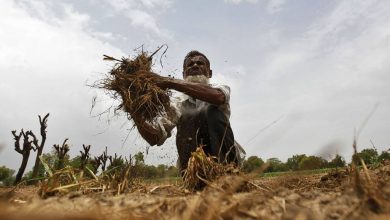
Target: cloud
x,y
144,20
236,2
44,67
274,6
143,13
271,6
331,75
121,5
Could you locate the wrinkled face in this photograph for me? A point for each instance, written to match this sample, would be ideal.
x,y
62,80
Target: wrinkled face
x,y
196,65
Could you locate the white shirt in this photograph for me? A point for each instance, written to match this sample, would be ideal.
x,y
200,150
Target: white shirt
x,y
166,123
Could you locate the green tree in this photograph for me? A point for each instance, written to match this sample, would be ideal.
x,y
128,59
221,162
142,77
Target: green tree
x,y
139,158
252,163
293,162
337,161
6,175
275,165
161,170
369,155
172,171
75,162
312,163
385,155
50,159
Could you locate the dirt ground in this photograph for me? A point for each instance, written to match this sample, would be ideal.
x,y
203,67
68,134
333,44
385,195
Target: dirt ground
x,y
334,195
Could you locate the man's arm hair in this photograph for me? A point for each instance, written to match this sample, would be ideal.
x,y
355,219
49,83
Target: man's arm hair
x,y
196,90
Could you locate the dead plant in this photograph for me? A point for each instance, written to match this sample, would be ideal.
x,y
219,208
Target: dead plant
x,y
134,84
203,169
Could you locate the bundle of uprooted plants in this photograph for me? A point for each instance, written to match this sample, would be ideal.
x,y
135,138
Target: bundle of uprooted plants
x,y
203,169
60,182
134,84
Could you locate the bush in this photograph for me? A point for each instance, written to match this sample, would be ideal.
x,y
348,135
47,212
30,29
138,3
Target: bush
x,y
294,161
337,161
252,163
312,163
6,176
369,155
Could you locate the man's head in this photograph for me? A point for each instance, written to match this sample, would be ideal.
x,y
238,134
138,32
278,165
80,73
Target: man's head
x,y
196,67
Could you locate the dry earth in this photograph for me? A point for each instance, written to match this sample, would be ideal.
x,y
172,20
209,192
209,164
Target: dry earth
x,y
334,195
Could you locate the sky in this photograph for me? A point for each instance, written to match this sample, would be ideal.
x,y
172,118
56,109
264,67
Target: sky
x,y
304,75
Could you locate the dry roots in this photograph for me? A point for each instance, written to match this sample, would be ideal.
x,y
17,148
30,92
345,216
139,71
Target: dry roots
x,y
203,169
134,82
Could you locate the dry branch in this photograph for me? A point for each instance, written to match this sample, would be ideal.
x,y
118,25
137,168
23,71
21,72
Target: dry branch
x,y
84,156
103,159
61,153
24,150
39,147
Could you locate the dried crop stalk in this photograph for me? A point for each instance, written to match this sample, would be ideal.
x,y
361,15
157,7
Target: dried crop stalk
x,y
203,169
135,84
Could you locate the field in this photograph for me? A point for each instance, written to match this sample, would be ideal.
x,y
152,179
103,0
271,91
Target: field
x,y
335,194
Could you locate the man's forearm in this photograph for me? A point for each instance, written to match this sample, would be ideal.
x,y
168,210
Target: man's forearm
x,y
198,91
147,131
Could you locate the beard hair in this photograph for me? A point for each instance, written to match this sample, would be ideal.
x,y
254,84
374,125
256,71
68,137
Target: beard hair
x,y
197,79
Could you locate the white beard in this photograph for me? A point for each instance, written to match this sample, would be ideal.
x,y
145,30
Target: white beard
x,y
197,79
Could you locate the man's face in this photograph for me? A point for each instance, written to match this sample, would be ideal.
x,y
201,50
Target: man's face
x,y
196,65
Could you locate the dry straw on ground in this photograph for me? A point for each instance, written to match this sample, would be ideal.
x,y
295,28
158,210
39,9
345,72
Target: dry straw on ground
x,y
203,169
134,84
117,180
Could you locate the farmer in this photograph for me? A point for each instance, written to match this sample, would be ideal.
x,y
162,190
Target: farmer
x,y
201,115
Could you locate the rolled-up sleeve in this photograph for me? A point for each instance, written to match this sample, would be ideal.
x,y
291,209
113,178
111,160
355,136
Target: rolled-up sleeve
x,y
225,90
168,122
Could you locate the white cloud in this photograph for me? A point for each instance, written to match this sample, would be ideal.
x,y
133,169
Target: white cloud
x,y
143,19
271,6
331,76
139,4
44,68
143,13
274,6
236,2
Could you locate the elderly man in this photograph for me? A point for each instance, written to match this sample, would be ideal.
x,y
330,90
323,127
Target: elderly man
x,y
201,115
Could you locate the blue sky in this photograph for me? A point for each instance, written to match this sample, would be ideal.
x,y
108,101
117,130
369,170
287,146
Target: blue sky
x,y
318,68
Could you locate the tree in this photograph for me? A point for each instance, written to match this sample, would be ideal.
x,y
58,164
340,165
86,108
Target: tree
x,y
293,162
385,155
172,171
369,155
62,153
337,161
84,156
139,158
6,175
103,159
161,170
312,163
75,162
24,151
252,163
50,159
115,161
39,147
275,165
